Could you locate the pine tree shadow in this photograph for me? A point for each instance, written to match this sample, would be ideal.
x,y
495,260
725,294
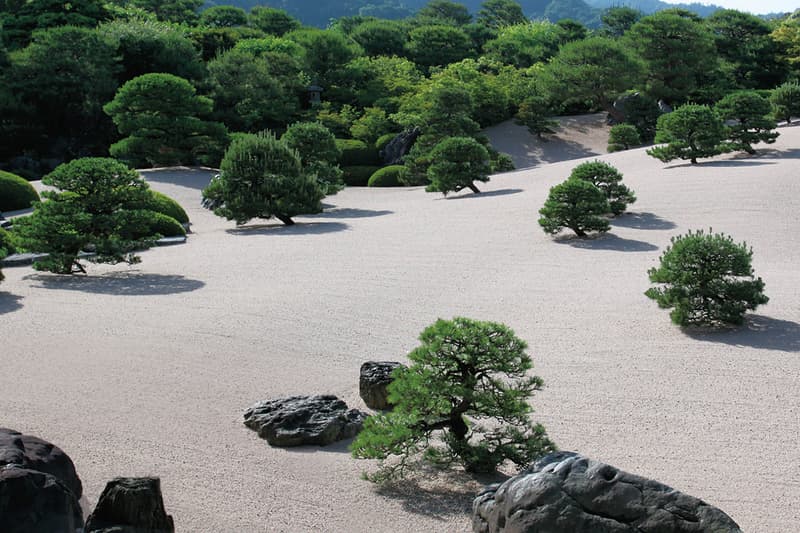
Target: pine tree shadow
x,y
119,283
349,212
646,221
487,194
758,331
607,242
727,163
9,303
299,228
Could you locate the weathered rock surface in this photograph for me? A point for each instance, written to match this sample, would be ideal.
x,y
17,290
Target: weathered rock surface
x,y
397,148
34,501
373,379
33,453
130,505
565,491
300,420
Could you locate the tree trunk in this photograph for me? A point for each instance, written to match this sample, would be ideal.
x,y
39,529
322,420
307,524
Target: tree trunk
x,y
286,220
579,232
458,427
473,188
694,161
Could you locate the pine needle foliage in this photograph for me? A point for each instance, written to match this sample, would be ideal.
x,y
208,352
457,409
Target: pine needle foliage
x,y
456,163
575,204
749,119
609,180
690,132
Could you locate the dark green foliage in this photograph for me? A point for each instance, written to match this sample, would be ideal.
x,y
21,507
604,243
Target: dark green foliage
x,y
371,125
161,203
381,37
785,101
524,45
609,180
706,279
358,175
383,140
387,176
356,153
623,137
152,225
535,113
96,210
31,15
690,132
748,119
572,30
575,204
642,112
463,400
456,163
171,10
444,11
161,115
214,41
618,20
261,177
273,21
500,13
326,52
7,242
438,45
15,192
318,152
223,17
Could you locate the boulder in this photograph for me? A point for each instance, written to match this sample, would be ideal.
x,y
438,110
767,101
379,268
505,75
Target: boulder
x,y
397,148
33,453
565,491
300,420
372,382
130,505
31,500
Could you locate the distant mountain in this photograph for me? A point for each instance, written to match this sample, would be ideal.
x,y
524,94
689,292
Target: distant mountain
x,y
651,6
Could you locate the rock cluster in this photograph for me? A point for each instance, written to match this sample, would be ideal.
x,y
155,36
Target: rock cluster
x,y
373,379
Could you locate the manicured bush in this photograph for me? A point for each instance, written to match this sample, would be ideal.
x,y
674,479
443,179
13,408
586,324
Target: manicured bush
x,y
463,400
575,204
706,279
609,180
456,163
749,120
356,153
623,137
387,176
15,192
358,175
161,203
152,223
383,140
690,132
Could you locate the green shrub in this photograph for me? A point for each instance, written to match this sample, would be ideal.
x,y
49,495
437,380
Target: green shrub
x,y
706,279
383,140
748,116
15,192
575,204
7,242
356,153
623,137
690,132
456,163
785,101
161,203
147,224
609,180
387,176
358,175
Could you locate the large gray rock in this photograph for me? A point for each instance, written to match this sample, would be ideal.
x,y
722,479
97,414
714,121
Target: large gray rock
x,y
373,379
564,491
394,152
300,420
33,453
130,505
34,501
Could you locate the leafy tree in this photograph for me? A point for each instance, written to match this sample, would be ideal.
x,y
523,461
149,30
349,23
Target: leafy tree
x,y
438,45
273,21
458,162
326,52
706,279
785,101
618,20
535,113
575,204
749,120
382,81
261,177
319,155
464,399
161,115
371,125
20,23
444,11
180,11
642,112
223,17
677,51
93,210
524,45
214,41
501,13
490,101
381,38
609,180
572,30
690,132
572,9
623,137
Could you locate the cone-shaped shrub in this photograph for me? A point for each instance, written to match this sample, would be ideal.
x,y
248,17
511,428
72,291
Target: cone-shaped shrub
x,y
609,180
575,204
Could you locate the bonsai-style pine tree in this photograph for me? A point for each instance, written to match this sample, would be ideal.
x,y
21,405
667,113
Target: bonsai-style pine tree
x,y
785,101
575,204
534,113
749,120
609,180
623,137
261,177
706,279
456,163
464,400
319,155
690,132
96,209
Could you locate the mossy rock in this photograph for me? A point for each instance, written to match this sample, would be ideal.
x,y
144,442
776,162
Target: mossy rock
x,y
356,153
16,193
358,176
387,177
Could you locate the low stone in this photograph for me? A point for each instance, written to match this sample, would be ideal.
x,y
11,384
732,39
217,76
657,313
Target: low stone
x,y
565,491
301,420
130,505
34,501
33,453
373,379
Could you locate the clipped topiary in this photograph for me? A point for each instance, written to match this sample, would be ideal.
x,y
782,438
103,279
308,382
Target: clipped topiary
x,y
690,132
356,153
706,279
623,137
151,224
456,163
15,192
609,180
748,119
161,203
387,176
575,204
359,175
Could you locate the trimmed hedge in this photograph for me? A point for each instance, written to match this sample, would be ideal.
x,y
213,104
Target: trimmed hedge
x,y
356,153
359,175
161,203
383,140
15,192
387,176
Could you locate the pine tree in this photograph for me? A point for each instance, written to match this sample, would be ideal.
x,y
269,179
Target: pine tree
x,y
690,132
749,120
575,204
609,180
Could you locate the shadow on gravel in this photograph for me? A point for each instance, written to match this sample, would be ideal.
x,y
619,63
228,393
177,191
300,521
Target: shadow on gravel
x,y
487,194
299,228
642,221
119,283
349,212
9,303
608,242
758,331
